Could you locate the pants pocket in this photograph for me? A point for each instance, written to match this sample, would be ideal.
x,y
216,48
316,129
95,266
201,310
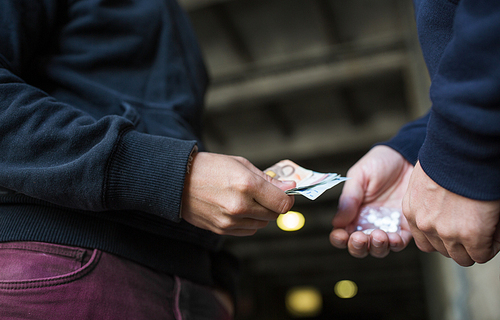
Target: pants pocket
x,y
26,265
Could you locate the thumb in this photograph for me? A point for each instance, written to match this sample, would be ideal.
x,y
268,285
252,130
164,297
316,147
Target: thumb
x,y
283,185
349,203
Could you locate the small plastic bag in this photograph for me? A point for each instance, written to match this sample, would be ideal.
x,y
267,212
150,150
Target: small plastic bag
x,y
385,219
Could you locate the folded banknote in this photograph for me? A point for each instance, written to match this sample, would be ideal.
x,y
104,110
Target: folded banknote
x,y
310,184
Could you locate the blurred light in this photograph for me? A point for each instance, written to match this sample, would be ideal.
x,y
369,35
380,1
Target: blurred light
x,y
304,301
291,221
346,289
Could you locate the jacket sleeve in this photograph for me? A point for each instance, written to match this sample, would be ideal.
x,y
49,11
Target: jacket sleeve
x,y
461,151
57,153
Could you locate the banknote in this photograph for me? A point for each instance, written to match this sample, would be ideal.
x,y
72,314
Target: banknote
x,y
310,184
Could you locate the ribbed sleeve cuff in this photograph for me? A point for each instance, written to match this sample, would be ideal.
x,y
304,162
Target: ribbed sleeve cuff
x,y
146,173
460,161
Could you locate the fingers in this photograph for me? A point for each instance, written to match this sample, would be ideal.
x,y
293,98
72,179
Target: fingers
x,y
268,192
398,242
283,185
458,253
358,244
339,238
229,225
420,239
244,227
272,198
379,244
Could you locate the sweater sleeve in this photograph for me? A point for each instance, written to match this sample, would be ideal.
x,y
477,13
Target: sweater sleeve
x,y
409,139
461,151
57,153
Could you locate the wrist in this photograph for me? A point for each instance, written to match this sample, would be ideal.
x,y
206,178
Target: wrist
x,y
191,158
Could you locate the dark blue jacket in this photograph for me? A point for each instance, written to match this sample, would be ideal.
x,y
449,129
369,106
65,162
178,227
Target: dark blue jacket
x,y
100,107
458,142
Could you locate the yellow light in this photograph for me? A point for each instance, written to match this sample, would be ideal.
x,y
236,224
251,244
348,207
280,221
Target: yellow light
x,y
291,221
346,289
304,301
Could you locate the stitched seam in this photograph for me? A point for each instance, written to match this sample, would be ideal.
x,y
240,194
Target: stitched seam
x,y
65,252
55,281
177,296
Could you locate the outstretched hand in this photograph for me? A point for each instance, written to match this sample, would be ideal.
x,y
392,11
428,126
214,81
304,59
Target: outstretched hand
x,y
460,228
379,178
228,195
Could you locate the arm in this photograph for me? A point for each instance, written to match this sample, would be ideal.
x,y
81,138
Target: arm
x,y
54,152
57,153
452,203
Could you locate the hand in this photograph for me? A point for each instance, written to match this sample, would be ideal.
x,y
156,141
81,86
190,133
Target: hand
x,y
461,228
228,195
379,178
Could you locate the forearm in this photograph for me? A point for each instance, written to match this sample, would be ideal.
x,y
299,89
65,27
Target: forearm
x,y
462,150
54,152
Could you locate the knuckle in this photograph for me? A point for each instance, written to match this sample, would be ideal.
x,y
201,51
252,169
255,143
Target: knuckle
x,y
250,232
224,224
237,207
425,247
261,224
465,263
482,259
425,225
240,158
244,185
481,256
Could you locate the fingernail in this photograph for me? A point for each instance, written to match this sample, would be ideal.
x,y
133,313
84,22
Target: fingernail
x,y
288,182
357,245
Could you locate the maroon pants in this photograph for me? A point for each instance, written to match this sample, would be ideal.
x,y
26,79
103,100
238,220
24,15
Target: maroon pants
x,y
48,281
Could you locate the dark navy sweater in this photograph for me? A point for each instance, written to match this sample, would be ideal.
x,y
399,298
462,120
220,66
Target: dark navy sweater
x,y
458,141
100,108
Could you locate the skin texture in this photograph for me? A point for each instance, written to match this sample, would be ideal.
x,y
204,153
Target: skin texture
x,y
463,229
379,179
229,196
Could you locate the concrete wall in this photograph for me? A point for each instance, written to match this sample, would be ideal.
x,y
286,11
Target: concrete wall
x,y
462,293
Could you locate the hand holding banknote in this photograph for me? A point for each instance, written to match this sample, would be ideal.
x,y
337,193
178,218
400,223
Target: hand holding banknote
x,y
377,181
310,184
228,195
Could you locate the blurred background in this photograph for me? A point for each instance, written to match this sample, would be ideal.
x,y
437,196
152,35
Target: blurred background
x,y
319,82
